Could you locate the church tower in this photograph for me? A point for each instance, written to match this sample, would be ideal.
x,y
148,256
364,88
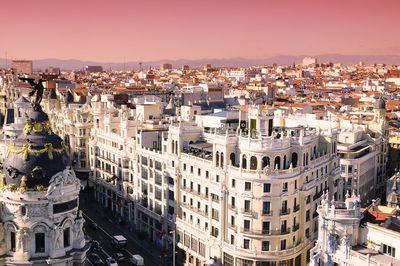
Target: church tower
x,y
40,220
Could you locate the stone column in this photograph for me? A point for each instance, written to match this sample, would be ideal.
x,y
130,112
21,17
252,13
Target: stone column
x,y
22,245
3,248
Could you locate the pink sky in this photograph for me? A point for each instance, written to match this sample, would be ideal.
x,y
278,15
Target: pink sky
x,y
125,30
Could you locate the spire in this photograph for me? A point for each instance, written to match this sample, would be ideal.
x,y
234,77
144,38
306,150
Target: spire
x,y
393,199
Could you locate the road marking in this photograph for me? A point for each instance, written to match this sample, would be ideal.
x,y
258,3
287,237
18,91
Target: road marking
x,y
126,250
102,249
98,226
91,220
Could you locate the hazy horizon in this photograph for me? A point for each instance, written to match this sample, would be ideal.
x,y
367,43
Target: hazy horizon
x,y
124,30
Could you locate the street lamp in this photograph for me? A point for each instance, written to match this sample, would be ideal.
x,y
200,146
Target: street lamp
x,y
173,247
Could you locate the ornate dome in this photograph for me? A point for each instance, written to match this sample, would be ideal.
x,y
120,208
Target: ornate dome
x,y
35,156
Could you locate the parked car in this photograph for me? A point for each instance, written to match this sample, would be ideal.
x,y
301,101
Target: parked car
x,y
95,246
119,242
119,257
137,260
111,262
95,259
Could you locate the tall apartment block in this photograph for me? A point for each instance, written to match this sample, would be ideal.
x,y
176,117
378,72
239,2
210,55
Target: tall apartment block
x,y
250,196
242,193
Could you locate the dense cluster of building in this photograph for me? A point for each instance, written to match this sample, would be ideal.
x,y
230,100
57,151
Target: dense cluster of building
x,y
273,165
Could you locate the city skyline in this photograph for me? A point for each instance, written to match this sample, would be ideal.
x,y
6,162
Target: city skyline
x,y
129,30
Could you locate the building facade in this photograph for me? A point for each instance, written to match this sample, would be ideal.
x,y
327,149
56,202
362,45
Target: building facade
x,y
40,220
231,196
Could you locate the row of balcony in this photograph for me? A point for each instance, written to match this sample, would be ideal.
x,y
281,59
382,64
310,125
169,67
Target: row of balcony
x,y
201,195
283,231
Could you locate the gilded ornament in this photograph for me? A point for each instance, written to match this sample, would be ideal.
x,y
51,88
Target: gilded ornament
x,y
23,187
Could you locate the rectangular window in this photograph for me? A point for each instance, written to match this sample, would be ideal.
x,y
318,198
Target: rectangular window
x,y
265,227
283,244
12,238
233,182
267,187
246,243
214,231
215,214
391,251
66,237
265,246
285,187
39,243
207,174
247,186
266,207
247,205
246,225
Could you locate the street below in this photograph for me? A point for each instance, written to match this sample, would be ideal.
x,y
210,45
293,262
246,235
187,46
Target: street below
x,y
107,228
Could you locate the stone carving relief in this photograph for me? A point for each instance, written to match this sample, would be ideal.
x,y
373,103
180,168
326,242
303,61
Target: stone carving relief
x,y
78,228
37,211
22,239
57,233
64,178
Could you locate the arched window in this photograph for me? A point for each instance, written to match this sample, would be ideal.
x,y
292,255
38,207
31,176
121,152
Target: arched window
x,y
232,157
253,163
284,162
222,159
277,162
11,243
265,161
40,239
294,159
217,159
244,161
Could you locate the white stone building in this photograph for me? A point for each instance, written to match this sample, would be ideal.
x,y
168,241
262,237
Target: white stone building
x,y
232,195
40,221
351,236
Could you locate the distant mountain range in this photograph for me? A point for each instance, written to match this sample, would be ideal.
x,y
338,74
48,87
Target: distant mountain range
x,y
74,64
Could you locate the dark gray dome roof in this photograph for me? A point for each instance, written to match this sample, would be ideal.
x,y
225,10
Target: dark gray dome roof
x,y
68,97
52,95
37,153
